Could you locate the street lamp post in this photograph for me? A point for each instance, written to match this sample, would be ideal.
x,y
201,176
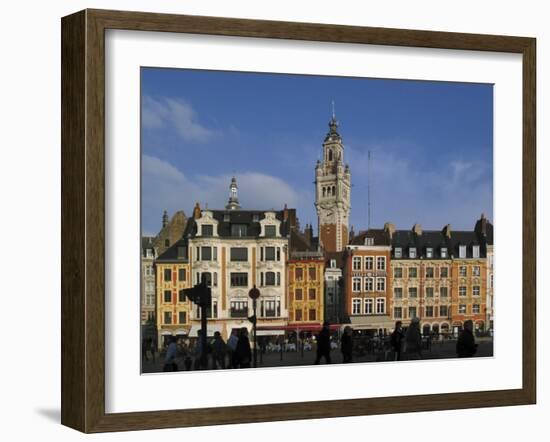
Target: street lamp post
x,y
254,294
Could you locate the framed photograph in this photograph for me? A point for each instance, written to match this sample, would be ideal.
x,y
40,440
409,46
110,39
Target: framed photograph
x,y
267,221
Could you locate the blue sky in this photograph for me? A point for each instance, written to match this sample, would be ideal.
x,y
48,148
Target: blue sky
x,y
431,145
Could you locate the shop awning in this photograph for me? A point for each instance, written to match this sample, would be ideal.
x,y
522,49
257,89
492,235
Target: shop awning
x,y
298,327
270,332
370,322
210,330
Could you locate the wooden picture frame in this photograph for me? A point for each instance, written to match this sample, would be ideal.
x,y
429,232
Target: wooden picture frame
x,y
83,220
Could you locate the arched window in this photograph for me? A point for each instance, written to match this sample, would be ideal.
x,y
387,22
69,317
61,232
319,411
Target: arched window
x,y
333,190
330,154
324,191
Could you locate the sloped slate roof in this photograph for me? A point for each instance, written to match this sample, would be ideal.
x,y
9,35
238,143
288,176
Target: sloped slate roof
x,y
437,240
242,217
171,253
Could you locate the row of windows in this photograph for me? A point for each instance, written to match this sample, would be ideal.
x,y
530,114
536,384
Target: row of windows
x,y
299,273
444,252
239,230
169,317
367,306
412,272
434,311
413,292
329,191
367,263
429,292
429,312
299,294
269,308
238,309
368,284
311,315
181,275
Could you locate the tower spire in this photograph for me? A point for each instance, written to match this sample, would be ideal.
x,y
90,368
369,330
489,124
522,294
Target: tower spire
x,y
233,202
333,110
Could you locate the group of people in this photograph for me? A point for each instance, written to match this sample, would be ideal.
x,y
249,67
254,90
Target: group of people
x,y
409,342
217,354
237,353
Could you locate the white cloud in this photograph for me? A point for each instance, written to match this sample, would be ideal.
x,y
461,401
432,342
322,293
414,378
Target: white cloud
x,y
166,187
155,168
456,192
176,113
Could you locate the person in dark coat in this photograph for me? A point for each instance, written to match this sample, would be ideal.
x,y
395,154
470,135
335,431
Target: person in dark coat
x,y
346,345
323,344
413,340
466,346
396,340
243,354
219,350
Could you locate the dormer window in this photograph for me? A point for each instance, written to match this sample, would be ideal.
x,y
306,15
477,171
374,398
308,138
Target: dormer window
x,y
332,263
238,230
412,252
462,251
226,217
369,241
398,252
475,251
270,231
255,218
207,230
429,252
444,252
182,252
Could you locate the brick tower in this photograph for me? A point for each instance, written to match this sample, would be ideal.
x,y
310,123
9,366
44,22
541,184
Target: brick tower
x,y
333,192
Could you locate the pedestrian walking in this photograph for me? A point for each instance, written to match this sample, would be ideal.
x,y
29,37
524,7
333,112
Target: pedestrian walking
x,y
466,345
243,351
201,354
152,348
170,357
346,345
396,340
413,340
232,348
144,349
323,344
219,351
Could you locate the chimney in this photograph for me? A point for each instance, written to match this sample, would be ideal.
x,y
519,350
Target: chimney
x,y
289,215
389,228
164,219
447,231
481,225
417,228
308,233
197,211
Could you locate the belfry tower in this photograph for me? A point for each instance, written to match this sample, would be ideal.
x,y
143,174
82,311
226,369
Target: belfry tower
x,y
333,192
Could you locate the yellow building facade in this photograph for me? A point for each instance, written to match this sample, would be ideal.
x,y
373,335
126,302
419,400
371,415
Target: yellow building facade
x,y
173,307
306,291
